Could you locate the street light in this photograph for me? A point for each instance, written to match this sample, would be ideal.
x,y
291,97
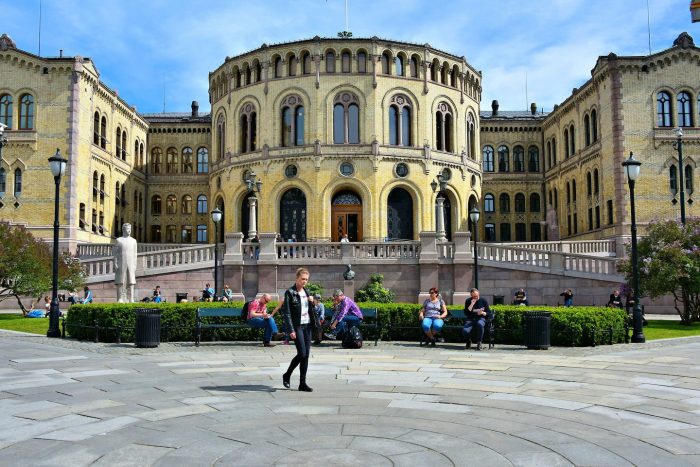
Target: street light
x,y
632,167
216,215
440,200
474,216
254,185
58,167
679,146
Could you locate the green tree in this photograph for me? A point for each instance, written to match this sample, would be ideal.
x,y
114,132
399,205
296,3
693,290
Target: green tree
x,y
374,291
26,266
669,264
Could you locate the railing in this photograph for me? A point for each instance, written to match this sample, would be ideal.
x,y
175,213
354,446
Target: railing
x,y
446,250
396,250
100,250
307,250
590,264
596,247
513,255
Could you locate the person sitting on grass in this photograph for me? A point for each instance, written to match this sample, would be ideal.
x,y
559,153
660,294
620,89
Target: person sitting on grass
x,y
432,315
208,293
87,296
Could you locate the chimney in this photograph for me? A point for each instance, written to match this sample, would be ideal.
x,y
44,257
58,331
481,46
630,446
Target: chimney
x,y
494,108
533,108
60,53
195,109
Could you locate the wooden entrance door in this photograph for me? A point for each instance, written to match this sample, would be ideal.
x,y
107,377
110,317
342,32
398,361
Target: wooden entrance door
x,y
346,219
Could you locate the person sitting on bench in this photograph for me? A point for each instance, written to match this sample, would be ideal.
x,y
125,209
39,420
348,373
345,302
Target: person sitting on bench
x,y
520,298
432,315
208,293
477,311
346,314
259,318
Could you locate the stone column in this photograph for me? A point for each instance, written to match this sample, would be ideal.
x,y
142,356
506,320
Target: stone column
x,y
233,264
440,221
252,201
428,264
267,265
463,266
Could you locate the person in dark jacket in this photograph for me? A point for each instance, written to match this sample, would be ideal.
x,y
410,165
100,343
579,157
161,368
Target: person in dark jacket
x,y
615,300
477,311
299,315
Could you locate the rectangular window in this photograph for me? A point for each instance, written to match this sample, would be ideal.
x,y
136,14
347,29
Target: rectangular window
x,y
362,62
568,224
155,234
535,232
490,232
520,232
575,223
171,234
610,212
590,218
186,234
81,221
201,233
505,232
597,217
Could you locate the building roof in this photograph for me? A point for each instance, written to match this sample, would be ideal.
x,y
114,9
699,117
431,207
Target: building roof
x,y
176,117
512,115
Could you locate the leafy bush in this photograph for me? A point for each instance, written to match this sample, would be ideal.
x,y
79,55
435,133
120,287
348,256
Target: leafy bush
x,y
375,291
314,288
569,326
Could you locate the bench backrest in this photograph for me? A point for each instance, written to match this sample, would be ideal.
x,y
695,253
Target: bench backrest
x,y
219,312
370,313
459,313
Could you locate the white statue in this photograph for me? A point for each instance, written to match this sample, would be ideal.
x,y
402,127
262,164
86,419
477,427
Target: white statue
x,y
552,227
125,254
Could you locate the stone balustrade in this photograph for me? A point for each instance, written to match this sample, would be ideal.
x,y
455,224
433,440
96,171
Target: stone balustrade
x,y
591,247
102,250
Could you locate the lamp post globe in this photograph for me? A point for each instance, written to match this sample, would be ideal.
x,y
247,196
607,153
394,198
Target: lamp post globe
x,y
216,215
632,169
57,164
474,217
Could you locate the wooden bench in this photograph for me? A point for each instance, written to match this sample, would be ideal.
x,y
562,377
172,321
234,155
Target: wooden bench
x,y
234,313
456,319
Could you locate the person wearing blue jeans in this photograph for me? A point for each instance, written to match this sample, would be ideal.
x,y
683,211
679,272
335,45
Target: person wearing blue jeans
x,y
432,315
259,318
477,311
347,314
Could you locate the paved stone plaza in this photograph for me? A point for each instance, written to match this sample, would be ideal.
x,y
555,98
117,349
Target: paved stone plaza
x,y
77,403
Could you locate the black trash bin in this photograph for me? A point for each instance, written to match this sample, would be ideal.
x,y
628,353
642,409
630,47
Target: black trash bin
x,y
147,333
498,300
180,296
537,329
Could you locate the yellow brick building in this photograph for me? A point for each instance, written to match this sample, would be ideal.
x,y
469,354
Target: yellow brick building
x,y
347,136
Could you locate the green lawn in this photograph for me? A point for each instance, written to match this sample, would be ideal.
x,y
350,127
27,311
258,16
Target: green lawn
x,y
19,323
664,329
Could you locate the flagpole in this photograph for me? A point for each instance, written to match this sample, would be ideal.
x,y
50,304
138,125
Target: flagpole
x,y
346,15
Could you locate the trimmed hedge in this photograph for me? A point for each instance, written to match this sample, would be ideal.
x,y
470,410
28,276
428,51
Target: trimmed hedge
x,y
570,326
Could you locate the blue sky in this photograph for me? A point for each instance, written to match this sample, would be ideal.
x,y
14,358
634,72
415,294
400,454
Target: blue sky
x,y
156,52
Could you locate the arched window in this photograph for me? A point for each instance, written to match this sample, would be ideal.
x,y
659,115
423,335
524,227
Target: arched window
x,y
596,183
535,202
434,70
291,65
503,159
566,143
136,153
124,145
187,163
26,112
549,154
171,204
504,203
443,128
361,62
688,178
117,198
589,184
278,67
141,157
346,119
520,202
330,62
249,130
663,109
103,189
202,204
594,125
533,161
202,160
171,162
306,63
103,132
573,190
471,137
398,65
444,71
119,142
95,187
386,60
572,137
554,151
518,159
489,203
413,66
487,158
258,72
96,129
454,76
237,78
685,115
568,193
400,121
345,62
587,129
673,179
6,110
187,204
156,160
3,182
221,138
156,205
292,121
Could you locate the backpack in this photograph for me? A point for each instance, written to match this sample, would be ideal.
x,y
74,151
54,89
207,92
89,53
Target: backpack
x,y
244,311
352,338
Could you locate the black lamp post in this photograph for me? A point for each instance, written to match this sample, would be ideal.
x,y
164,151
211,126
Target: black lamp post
x,y
474,216
216,217
58,167
632,167
679,146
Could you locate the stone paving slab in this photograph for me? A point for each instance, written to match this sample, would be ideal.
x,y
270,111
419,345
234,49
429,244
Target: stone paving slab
x,y
65,402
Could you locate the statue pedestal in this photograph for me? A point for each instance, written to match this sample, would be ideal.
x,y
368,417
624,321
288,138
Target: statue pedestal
x,y
349,288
